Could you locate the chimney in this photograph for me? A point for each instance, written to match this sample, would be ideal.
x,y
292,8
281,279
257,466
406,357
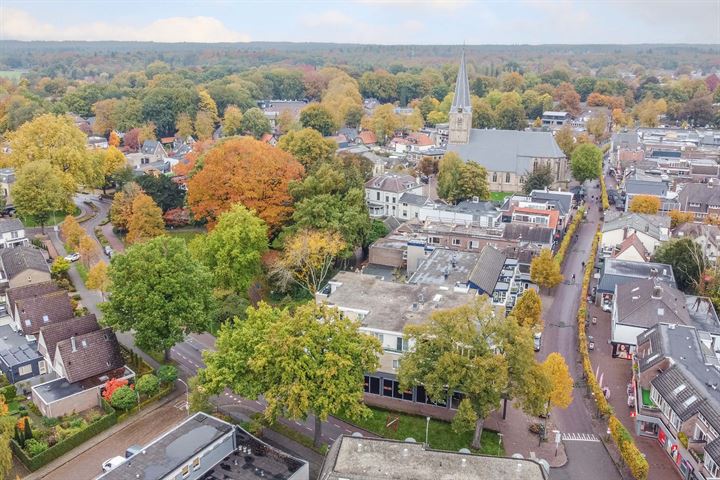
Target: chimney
x,y
657,292
72,342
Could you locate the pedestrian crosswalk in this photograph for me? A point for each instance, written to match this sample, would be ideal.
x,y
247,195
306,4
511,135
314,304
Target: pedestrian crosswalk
x,y
580,437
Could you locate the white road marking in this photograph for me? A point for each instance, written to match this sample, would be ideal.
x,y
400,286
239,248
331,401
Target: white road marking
x,y
580,437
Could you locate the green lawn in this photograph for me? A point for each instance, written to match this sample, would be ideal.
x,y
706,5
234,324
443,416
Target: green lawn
x,y
185,233
55,218
499,196
82,271
646,397
440,433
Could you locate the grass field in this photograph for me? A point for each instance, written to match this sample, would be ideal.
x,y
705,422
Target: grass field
x,y
82,271
54,219
499,196
440,433
186,234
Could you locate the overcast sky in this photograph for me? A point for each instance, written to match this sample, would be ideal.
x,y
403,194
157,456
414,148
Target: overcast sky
x,y
366,21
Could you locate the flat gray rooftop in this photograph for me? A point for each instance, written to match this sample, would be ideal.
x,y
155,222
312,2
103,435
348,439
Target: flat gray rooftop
x,y
60,388
389,306
14,348
358,458
445,267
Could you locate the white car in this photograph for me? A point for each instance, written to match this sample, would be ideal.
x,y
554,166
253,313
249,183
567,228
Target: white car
x,y
112,463
72,257
537,341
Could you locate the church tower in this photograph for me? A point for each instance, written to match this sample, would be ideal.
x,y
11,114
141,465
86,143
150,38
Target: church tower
x,y
461,110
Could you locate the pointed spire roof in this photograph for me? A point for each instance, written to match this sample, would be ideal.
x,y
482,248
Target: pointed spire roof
x,y
462,89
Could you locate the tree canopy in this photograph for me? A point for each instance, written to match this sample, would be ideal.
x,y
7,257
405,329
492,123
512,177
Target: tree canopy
x,y
649,204
544,270
458,180
586,162
41,189
687,260
308,147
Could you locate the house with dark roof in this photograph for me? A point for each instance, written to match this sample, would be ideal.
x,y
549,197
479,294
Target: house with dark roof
x,y
615,273
508,155
51,335
33,313
655,188
19,358
14,294
675,394
24,265
12,233
383,193
529,234
651,230
701,199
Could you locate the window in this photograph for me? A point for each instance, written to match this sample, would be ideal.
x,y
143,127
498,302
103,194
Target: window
x,y
420,395
456,399
387,387
694,205
402,344
25,370
404,213
494,177
185,471
711,466
196,463
27,322
456,241
14,235
396,364
507,177
387,198
375,385
393,199
434,240
378,195
474,244
699,435
42,367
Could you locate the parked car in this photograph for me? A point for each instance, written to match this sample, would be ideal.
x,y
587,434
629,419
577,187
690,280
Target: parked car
x,y
537,340
108,250
112,463
72,257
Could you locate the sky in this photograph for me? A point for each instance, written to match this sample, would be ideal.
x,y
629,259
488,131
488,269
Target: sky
x,y
474,22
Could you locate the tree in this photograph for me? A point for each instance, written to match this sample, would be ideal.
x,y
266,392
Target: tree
x,y
678,218
105,121
174,288
540,178
59,268
458,180
255,122
686,259
309,362
565,140
465,418
544,270
121,208
308,147
307,259
123,398
243,170
132,139
146,220
207,105
108,162
204,126
528,309
452,353
199,399
232,121
41,189
112,385
88,249
318,117
71,231
56,140
98,279
383,121
568,98
147,385
561,382
147,132
649,204
114,139
586,162
597,126
233,250
7,423
183,125
510,115
449,176
166,193
167,374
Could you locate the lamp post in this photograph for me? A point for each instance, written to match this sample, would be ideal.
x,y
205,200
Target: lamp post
x,y
187,395
427,430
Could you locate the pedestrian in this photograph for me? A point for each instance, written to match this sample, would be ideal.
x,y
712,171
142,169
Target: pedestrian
x,y
573,277
583,265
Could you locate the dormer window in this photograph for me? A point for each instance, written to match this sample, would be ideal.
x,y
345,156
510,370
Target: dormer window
x,y
46,319
28,322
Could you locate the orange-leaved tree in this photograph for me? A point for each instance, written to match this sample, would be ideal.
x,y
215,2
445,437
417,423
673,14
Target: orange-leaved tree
x,y
645,204
244,170
112,385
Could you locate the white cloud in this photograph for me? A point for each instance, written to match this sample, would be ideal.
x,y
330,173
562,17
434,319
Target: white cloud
x,y
17,24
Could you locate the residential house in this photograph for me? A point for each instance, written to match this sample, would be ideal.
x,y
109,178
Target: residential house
x,y
508,155
651,230
95,142
650,187
152,155
494,275
19,359
7,179
617,273
366,137
24,265
676,396
472,211
356,457
203,444
383,193
701,199
12,295
32,313
707,236
384,309
537,236
555,119
12,233
640,305
52,334
632,250
411,205
274,108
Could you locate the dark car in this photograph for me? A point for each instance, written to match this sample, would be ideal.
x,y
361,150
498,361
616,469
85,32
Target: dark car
x,y
8,211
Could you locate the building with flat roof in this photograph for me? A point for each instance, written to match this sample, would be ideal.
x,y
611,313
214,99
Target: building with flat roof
x,y
360,458
205,447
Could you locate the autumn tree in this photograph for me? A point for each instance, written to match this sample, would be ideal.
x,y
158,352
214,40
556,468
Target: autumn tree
x,y
528,309
678,218
318,117
56,140
560,382
308,147
342,98
147,132
204,126
183,125
649,204
71,232
232,121
243,170
7,423
586,162
568,98
88,249
597,126
41,189
383,121
544,270
105,119
233,250
255,123
310,362
174,288
566,140
114,139
207,105
458,180
107,162
98,279
307,259
649,111
145,221
121,208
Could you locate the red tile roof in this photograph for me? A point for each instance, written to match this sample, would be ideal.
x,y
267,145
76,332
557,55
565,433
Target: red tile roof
x,y
367,137
553,215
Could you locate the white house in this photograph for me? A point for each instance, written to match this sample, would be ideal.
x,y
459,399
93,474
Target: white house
x,y
383,193
651,230
12,233
707,236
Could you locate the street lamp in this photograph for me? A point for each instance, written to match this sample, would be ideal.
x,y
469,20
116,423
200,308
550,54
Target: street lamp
x,y
427,429
187,395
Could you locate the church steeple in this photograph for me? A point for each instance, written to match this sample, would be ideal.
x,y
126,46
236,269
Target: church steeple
x,y
461,109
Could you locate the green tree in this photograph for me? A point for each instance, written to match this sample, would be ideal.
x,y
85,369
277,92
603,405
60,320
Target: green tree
x,y
233,250
452,353
255,123
539,179
147,385
199,400
41,189
204,126
544,270
449,177
164,192
458,180
167,374
232,121
146,220
174,288
308,147
510,116
586,162
183,126
124,398
528,309
384,122
465,418
318,117
301,365
687,260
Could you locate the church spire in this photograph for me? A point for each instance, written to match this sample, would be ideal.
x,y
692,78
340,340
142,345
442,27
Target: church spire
x,y
461,102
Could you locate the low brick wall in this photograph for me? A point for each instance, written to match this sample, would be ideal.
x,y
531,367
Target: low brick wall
x,y
425,410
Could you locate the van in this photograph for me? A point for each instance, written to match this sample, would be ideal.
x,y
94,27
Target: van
x,y
112,463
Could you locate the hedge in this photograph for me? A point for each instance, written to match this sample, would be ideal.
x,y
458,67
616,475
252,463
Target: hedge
x,y
565,244
121,417
64,446
626,446
603,193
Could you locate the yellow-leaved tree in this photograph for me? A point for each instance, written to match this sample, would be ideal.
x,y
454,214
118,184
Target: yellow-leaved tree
x,y
528,309
71,231
88,249
145,221
544,270
98,278
645,204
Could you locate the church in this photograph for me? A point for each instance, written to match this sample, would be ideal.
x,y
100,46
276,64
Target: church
x,y
507,155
